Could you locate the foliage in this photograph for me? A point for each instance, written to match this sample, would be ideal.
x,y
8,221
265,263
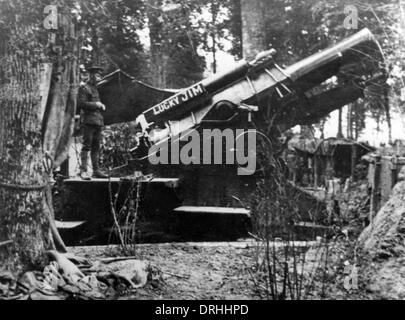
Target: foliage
x,y
127,34
118,140
126,215
110,30
281,269
293,30
174,43
385,20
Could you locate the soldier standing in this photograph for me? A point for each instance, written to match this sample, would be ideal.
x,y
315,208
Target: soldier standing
x,y
92,120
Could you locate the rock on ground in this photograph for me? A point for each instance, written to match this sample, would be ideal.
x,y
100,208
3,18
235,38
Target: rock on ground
x,y
383,242
388,279
385,236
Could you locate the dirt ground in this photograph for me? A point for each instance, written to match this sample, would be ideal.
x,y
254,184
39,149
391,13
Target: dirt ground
x,y
189,271
203,271
225,270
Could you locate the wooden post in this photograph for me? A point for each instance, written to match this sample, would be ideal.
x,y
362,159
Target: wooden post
x,y
394,171
64,168
316,171
355,152
340,131
375,192
349,133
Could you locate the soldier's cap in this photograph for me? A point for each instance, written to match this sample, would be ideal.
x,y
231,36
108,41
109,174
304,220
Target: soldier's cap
x,y
95,69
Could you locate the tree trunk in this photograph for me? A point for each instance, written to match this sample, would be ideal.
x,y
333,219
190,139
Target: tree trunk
x,y
214,54
349,133
354,159
32,119
340,129
214,13
159,49
254,27
22,177
58,120
388,113
356,116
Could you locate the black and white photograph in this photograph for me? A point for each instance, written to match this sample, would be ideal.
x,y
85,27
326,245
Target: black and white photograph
x,y
221,152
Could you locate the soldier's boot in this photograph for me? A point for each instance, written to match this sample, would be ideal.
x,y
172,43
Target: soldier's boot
x,y
97,173
84,174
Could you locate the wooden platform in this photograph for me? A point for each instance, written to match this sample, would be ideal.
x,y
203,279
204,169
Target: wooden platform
x,y
213,210
168,182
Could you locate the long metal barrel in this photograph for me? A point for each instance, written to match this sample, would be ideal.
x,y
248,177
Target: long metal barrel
x,y
361,51
221,80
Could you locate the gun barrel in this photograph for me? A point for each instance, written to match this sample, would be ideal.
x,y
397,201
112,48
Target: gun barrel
x,y
221,80
361,51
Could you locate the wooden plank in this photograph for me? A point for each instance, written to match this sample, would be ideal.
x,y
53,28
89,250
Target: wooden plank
x,y
173,245
168,182
354,159
69,224
311,225
212,210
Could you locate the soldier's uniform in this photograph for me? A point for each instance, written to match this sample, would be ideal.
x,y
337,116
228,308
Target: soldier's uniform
x,y
92,122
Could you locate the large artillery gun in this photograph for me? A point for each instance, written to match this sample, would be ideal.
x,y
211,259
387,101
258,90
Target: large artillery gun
x,y
258,94
266,93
